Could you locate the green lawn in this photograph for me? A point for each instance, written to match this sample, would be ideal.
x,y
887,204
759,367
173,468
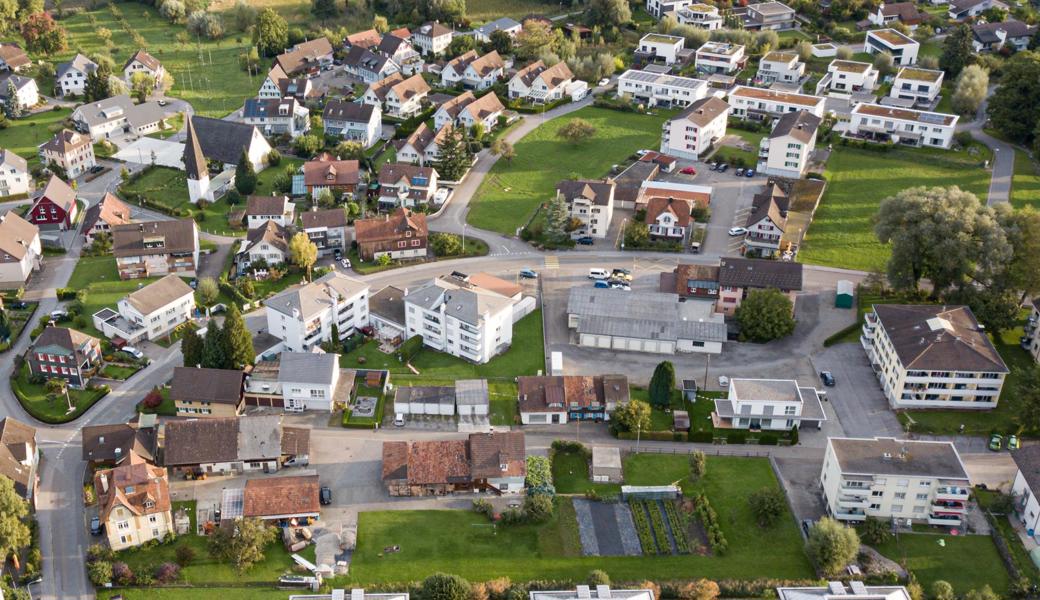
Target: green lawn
x,y
22,136
265,179
269,287
570,473
966,562
190,593
748,158
118,372
166,408
1025,184
173,124
842,233
489,10
512,191
162,185
34,399
99,277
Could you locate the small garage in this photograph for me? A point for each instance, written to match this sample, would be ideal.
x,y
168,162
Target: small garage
x,y
471,397
606,464
844,298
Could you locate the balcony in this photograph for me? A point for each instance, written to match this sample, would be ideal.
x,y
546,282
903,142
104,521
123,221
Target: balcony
x,y
944,520
849,490
851,514
949,507
951,493
853,502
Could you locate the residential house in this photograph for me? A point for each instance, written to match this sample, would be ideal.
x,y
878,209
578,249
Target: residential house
x,y
669,219
234,445
720,57
277,116
763,16
659,8
20,250
265,245
449,111
485,110
432,38
963,10
401,234
149,313
856,590
261,209
386,311
368,38
299,88
589,201
694,195
546,399
1012,33
279,499
101,217
208,393
700,282
223,141
768,405
326,229
757,103
902,48
20,457
306,57
696,129
509,26
401,52
406,185
352,594
738,276
933,356
422,147
156,248
659,89
537,83
767,222
847,77
15,179
71,77
472,71
368,65
271,88
353,121
303,316
113,444
12,57
66,354
781,67
118,115
897,12
466,316
399,97
484,462
907,126
142,62
26,92
1026,485
786,151
56,207
888,479
658,47
325,172
70,150
298,381
133,504
701,16
922,86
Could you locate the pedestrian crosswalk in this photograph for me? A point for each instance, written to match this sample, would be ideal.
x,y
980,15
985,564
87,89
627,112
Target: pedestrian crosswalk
x,y
552,262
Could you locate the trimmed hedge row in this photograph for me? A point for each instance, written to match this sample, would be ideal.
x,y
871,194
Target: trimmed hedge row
x,y
646,538
678,524
710,520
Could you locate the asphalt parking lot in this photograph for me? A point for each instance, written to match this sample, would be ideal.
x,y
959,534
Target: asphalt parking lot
x,y
857,397
800,478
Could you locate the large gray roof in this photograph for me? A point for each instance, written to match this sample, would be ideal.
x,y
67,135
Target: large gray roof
x,y
304,367
463,301
889,456
471,392
222,140
938,337
311,298
644,315
79,63
260,437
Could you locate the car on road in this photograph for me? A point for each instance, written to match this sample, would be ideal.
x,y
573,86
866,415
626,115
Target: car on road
x,y
623,274
603,82
399,420
59,314
326,495
996,442
441,195
827,378
749,173
688,171
739,171
724,382
597,273
1013,443
161,103
723,167
97,169
95,526
737,231
133,352
528,274
585,241
345,263
620,285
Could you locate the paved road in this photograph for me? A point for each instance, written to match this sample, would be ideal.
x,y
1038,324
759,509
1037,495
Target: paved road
x,y
1003,155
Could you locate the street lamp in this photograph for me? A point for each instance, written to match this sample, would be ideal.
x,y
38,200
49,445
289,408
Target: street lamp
x,y
639,430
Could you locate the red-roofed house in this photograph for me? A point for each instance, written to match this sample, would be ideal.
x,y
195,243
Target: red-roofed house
x,y
56,207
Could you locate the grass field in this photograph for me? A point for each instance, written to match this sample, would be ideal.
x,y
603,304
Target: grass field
x,y
35,400
747,158
570,473
512,191
842,232
1025,184
966,562
22,136
163,185
118,372
99,277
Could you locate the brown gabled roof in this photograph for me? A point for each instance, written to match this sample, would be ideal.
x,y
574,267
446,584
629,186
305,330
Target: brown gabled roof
x,y
680,207
556,75
304,55
200,441
17,446
158,294
265,205
704,111
16,236
800,124
296,441
331,217
751,273
454,106
13,55
70,340
277,496
427,462
382,87
390,227
600,193
141,488
145,59
685,272
546,393
497,454
110,210
392,173
277,74
906,12
178,237
405,90
420,138
118,441
938,337
486,64
270,232
401,32
480,108
432,30
772,203
325,171
220,386
66,141
366,39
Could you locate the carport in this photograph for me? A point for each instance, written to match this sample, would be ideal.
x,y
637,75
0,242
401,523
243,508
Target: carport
x,y
167,153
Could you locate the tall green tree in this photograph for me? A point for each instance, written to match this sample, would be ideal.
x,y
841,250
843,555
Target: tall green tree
x,y
14,533
768,505
765,315
244,544
43,35
500,42
324,9
454,157
970,89
1019,87
214,350
8,14
245,175
238,341
832,545
556,220
633,415
191,348
608,13
1027,389
5,325
576,131
98,86
958,51
662,384
12,107
271,33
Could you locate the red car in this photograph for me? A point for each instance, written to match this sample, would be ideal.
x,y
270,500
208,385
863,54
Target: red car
x,y
689,171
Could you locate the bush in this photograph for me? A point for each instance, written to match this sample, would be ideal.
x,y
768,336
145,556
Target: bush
x,y
538,508
410,348
441,586
65,294
702,437
122,574
768,505
153,399
100,553
710,522
768,439
736,437
99,572
598,577
168,572
185,555
483,507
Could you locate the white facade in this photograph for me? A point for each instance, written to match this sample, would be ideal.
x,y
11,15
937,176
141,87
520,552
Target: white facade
x,y
73,79
748,102
894,479
1027,507
303,317
787,153
278,117
847,76
432,38
27,93
720,57
541,88
902,48
917,84
140,319
661,46
768,404
285,217
903,125
783,67
703,16
20,250
14,174
655,89
691,135
659,8
305,381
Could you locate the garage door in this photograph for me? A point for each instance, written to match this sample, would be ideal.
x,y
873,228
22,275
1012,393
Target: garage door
x,y
535,419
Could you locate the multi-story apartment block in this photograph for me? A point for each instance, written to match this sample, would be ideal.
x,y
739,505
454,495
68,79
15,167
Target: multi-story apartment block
x,y
327,229
907,126
14,174
768,404
692,132
902,48
134,504
836,590
70,150
757,103
591,202
658,89
660,8
703,16
658,47
720,57
432,38
67,354
466,316
156,248
917,84
303,316
149,313
932,356
886,478
786,151
781,67
846,77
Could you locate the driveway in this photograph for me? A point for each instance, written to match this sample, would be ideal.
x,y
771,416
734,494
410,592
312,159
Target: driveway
x,y
857,397
801,480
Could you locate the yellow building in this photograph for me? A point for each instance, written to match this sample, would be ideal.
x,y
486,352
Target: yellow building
x,y
133,504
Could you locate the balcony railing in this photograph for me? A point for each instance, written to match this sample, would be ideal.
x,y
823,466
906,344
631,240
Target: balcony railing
x,y
944,520
951,493
851,515
853,502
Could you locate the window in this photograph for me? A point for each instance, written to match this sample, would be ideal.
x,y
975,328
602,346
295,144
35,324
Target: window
x,y
877,493
903,482
900,495
921,497
897,508
918,510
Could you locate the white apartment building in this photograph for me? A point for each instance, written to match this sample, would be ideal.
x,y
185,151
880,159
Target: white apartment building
x,y
757,103
432,38
658,46
467,317
1026,486
692,132
299,381
537,83
875,122
302,317
846,77
658,89
781,67
720,57
917,84
703,16
660,8
931,356
149,313
902,48
886,478
591,202
14,174
836,590
768,404
786,151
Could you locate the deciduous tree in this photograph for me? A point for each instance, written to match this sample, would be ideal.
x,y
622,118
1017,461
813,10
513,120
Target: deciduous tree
x,y
43,35
765,315
271,33
441,586
503,150
832,545
970,89
958,51
576,131
208,290
302,252
768,505
324,9
608,13
633,415
14,533
1019,87
243,544
942,590
501,42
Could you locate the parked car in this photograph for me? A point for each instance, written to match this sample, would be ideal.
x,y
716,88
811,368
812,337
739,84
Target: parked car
x,y
749,173
737,231
723,382
161,103
597,273
399,420
713,165
441,195
337,253
827,378
688,171
528,274
133,352
996,442
620,285
585,240
1013,443
723,167
621,274
345,263
97,168
326,495
601,284
604,81
95,526
739,171
59,314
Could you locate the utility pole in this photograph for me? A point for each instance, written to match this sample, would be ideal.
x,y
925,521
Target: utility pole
x,y
706,365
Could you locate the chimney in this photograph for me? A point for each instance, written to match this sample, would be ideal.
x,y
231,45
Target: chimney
x,y
101,440
104,483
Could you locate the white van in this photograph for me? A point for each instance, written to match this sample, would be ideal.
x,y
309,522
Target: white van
x,y
399,420
599,274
